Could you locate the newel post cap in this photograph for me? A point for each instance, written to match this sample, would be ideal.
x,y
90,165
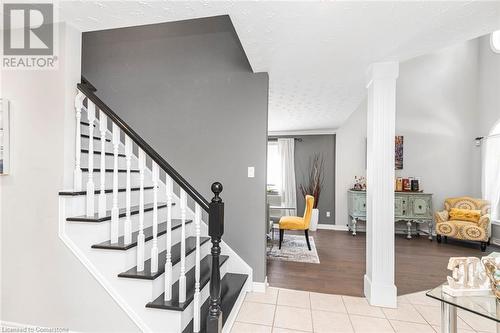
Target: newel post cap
x,y
217,189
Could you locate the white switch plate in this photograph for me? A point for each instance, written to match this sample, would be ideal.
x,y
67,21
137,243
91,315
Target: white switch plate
x,y
327,214
251,172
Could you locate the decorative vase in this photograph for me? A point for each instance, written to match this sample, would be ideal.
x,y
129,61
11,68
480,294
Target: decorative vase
x,y
314,219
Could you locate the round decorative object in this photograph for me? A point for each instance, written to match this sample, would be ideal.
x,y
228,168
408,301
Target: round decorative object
x,y
472,233
465,204
446,229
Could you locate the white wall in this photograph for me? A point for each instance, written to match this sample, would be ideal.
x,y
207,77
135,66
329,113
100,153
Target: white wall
x,y
437,115
42,282
350,159
489,95
489,86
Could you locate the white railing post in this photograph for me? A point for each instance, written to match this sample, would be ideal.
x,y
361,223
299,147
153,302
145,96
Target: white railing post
x,y
182,276
127,228
114,209
103,126
168,262
154,249
77,174
197,297
140,237
90,180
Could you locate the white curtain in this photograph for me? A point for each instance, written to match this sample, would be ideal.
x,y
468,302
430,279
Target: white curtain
x,y
286,149
491,174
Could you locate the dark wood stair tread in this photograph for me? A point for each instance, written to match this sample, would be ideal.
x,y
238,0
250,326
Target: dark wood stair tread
x,y
148,233
122,213
108,170
98,152
205,268
95,137
231,286
176,257
109,190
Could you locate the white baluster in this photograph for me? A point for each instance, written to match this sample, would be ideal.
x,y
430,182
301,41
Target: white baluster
x,y
154,249
77,174
182,277
90,180
140,237
114,210
128,223
168,262
197,297
103,126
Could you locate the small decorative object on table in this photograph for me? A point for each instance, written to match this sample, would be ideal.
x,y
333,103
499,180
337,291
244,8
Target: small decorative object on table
x,y
492,269
468,277
359,183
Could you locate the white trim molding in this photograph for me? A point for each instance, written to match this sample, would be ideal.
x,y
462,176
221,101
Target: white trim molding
x,y
337,227
260,287
325,131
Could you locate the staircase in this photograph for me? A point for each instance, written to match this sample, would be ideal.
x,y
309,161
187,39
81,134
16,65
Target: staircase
x,y
138,226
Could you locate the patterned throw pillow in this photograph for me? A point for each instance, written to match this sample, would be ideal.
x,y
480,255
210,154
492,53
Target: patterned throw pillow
x,y
470,215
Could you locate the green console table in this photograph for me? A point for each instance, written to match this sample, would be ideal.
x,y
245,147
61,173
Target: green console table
x,y
409,207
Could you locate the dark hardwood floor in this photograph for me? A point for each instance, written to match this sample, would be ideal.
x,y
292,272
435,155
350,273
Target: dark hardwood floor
x,y
420,264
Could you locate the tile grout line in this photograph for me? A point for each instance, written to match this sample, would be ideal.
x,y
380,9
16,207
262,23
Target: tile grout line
x,y
348,314
310,311
275,309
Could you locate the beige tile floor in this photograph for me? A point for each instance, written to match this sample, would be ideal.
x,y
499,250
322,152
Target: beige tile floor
x,y
291,311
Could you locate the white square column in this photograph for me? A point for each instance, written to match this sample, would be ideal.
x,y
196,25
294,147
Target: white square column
x,y
379,286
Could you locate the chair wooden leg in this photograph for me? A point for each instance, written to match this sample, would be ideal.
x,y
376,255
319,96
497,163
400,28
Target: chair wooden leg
x,y
306,232
282,232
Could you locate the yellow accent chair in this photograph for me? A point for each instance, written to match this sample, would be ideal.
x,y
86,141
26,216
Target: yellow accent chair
x,y
298,223
474,226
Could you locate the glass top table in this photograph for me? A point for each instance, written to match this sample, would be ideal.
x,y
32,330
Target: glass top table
x,y
485,306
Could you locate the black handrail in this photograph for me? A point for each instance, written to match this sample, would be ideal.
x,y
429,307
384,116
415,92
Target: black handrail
x,y
88,91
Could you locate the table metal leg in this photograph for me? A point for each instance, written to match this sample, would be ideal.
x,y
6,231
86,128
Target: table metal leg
x,y
448,318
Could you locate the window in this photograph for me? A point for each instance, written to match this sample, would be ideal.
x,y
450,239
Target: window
x,y
273,167
491,174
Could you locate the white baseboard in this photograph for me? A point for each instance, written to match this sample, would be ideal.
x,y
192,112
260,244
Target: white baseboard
x,y
332,227
495,241
260,287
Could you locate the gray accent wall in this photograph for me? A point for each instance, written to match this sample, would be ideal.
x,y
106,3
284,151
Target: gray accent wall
x,y
187,88
304,151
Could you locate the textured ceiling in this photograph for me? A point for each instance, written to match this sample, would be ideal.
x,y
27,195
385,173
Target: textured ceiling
x,y
316,53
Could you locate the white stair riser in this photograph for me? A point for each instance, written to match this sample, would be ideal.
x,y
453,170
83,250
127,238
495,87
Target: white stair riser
x,y
129,257
96,232
158,284
188,313
80,201
97,144
122,179
109,162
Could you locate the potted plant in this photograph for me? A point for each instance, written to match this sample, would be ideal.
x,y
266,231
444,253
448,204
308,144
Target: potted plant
x,y
312,186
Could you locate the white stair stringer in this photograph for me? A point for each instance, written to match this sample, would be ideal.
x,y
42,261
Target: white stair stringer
x,y
132,295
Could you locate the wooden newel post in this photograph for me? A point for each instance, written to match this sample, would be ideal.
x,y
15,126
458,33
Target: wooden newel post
x,y
215,231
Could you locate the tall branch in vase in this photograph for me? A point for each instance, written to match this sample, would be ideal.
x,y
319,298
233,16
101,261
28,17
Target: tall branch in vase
x,y
313,184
